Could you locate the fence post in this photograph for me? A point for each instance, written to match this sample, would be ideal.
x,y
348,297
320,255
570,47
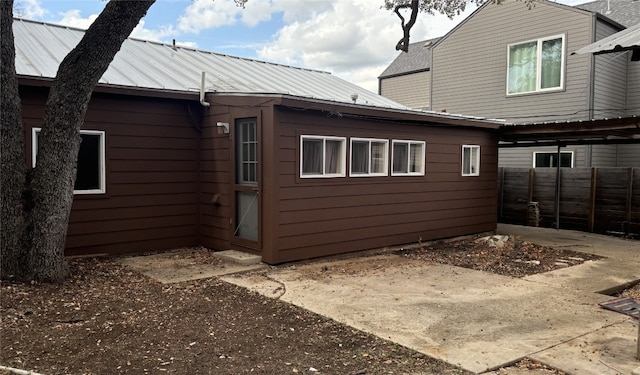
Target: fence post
x,y
592,200
629,198
530,193
501,192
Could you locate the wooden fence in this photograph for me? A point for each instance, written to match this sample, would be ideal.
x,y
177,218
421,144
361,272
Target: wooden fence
x,y
602,200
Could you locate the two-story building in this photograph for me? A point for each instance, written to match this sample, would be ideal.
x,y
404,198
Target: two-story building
x,y
515,63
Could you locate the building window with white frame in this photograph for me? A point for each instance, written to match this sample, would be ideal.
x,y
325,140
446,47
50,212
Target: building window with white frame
x,y
550,159
536,65
322,156
90,174
369,157
470,160
407,158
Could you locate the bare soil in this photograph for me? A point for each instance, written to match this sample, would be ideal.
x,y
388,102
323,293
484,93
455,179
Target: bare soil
x,y
107,319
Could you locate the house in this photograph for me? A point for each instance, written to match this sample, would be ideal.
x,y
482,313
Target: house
x,y
486,67
283,162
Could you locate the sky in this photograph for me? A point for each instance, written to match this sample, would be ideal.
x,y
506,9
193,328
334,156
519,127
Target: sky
x,y
353,39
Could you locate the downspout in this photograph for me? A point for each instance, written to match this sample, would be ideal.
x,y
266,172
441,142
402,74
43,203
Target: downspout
x,y
202,101
204,104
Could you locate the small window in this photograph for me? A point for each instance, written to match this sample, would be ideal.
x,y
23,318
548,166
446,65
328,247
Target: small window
x,y
90,174
369,157
408,158
470,160
550,159
322,156
536,66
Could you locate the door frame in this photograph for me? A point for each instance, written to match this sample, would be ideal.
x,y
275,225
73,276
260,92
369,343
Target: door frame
x,y
235,186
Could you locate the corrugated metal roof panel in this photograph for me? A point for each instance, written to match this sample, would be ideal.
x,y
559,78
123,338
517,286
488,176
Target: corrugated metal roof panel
x,y
40,47
621,41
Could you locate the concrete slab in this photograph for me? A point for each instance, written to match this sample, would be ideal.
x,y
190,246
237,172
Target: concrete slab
x,y
173,267
238,257
474,319
610,350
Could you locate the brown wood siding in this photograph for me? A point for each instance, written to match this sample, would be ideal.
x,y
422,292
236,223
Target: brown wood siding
x,y
151,174
470,64
323,216
217,168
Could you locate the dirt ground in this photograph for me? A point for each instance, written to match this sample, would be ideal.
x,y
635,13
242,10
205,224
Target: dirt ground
x,y
107,319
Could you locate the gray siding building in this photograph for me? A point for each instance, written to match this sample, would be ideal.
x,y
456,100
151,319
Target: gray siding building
x,y
513,63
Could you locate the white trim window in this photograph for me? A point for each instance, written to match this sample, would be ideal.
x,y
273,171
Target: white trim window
x,y
470,160
536,65
369,157
322,156
550,159
91,172
408,158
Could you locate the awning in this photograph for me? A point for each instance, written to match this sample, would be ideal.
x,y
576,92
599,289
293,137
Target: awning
x,y
625,40
622,130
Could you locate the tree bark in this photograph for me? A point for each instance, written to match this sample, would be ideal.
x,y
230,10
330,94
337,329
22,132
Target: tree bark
x,y
13,169
53,178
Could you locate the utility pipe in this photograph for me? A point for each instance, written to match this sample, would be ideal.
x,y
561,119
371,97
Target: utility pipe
x,y
202,101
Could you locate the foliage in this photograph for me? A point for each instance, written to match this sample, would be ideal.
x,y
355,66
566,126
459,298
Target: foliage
x,y
449,8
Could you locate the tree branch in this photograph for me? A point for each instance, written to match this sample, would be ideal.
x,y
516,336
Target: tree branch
x,y
403,44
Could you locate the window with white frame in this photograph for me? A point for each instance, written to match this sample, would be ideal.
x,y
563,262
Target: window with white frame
x,y
322,156
470,160
536,65
369,157
90,174
550,159
407,158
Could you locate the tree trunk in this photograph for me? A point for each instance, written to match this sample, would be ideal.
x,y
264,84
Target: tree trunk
x,y
13,172
53,178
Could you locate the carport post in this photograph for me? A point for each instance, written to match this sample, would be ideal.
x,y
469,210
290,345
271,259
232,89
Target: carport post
x,y
558,187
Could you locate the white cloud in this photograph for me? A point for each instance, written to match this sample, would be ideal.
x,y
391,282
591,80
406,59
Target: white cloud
x,y
205,14
353,39
154,35
74,19
30,9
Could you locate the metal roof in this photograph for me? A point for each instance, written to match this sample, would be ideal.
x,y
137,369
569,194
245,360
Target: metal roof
x,y
417,59
627,39
40,47
624,12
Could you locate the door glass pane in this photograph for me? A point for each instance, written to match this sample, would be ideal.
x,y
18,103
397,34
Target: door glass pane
x,y
246,153
247,215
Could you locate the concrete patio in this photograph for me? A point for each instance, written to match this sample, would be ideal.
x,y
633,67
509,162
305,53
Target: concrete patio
x,y
478,320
